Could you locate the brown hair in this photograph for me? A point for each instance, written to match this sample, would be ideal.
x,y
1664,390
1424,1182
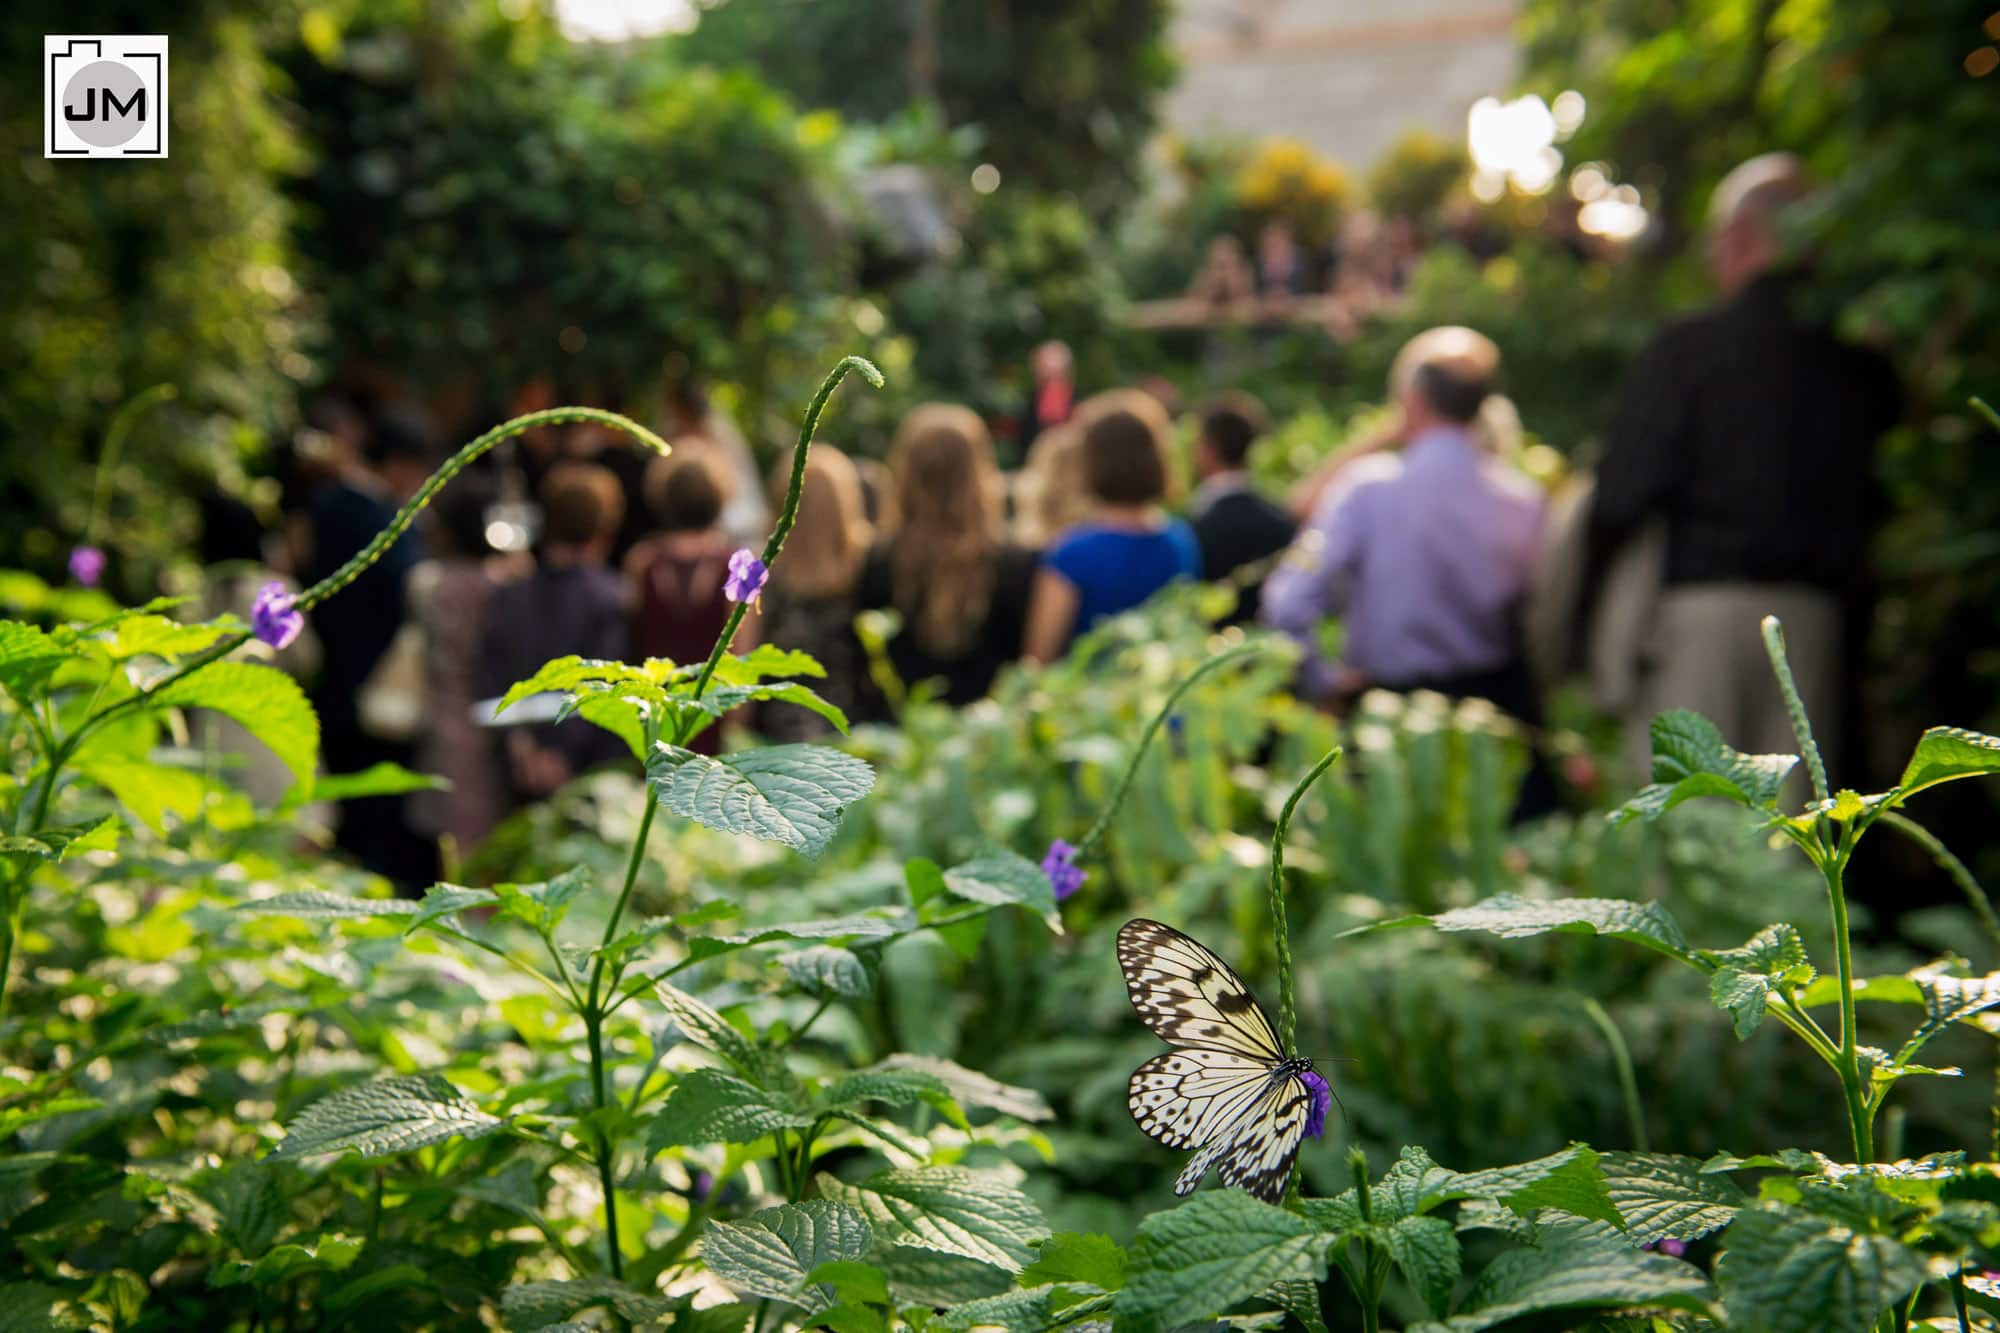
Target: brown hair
x,y
823,555
948,494
1049,494
580,503
1126,441
1231,424
688,488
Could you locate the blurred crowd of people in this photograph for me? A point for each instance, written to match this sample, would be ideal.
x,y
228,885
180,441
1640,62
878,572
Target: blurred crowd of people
x,y
1733,483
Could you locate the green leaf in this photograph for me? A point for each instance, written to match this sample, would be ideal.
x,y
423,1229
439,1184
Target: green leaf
x,y
721,699
1579,1266
321,905
773,1253
1077,1257
764,662
853,1282
711,1106
891,1087
1942,755
1030,1311
951,1209
1003,878
1511,916
150,791
1300,1299
529,1306
828,969
1662,1196
443,900
157,636
969,1087
711,1031
1947,1000
788,794
36,1307
1686,744
247,1199
1213,1251
1787,1270
542,907
1568,1180
385,1117
1772,961
572,674
384,779
931,1277
28,657
56,842
263,700
1426,1250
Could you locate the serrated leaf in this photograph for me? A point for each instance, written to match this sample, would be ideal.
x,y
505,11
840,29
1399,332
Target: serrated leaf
x,y
1662,1196
1947,753
711,1106
1027,1311
794,795
388,1116
150,791
1568,1180
1002,878
1686,744
853,1281
976,1214
443,900
1511,916
263,700
764,662
541,907
320,905
721,699
934,1278
27,656
890,1087
1300,1299
529,1307
828,969
1579,1266
58,841
711,1031
568,675
1216,1249
1426,1250
1077,1257
1773,959
773,1253
246,1197
969,1087
1788,1270
1947,1000
36,1307
157,636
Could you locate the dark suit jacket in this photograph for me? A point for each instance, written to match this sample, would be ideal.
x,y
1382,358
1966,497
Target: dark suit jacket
x,y
1241,528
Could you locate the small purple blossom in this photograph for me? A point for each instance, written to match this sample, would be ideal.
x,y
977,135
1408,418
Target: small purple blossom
x,y
746,577
86,565
1322,1102
1668,1245
702,1187
1061,868
274,618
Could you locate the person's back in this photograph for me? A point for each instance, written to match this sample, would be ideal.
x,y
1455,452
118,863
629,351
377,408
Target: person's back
x,y
678,573
960,587
809,602
1128,549
1746,432
1237,527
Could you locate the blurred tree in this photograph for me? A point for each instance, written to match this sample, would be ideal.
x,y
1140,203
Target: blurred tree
x,y
495,205
1284,180
124,274
1065,90
1416,175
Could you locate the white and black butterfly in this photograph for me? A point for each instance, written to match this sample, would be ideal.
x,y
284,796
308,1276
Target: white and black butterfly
x,y
1229,1091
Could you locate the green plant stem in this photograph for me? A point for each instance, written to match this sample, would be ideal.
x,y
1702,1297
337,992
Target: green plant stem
x,y
1110,811
121,425
1371,1294
1958,1300
1774,648
1287,1005
607,1147
1860,1118
1621,1060
1975,895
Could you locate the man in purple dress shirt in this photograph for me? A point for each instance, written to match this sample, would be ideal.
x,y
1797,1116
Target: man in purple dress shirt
x,y
1424,550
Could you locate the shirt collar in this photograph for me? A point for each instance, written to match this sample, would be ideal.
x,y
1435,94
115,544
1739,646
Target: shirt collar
x,y
1441,442
1214,488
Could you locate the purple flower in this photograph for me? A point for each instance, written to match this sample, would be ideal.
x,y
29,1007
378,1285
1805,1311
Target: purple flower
x,y
1668,1245
273,617
703,1187
86,565
746,577
1322,1102
1060,866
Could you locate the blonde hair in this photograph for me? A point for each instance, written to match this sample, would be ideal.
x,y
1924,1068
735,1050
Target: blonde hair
x,y
1051,497
948,498
823,554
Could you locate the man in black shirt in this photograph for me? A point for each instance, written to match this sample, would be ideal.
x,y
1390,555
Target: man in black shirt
x,y
1747,432
1234,525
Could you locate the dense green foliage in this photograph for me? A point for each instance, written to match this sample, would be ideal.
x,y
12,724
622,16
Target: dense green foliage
x,y
800,1035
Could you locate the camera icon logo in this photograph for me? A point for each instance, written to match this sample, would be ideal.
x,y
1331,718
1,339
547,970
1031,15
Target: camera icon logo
x,y
104,97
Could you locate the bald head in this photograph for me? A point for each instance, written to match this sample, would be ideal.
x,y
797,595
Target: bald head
x,y
1743,217
1444,374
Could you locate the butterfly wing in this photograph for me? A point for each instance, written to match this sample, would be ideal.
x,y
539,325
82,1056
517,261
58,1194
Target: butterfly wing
x,y
1255,1150
1189,996
1185,1098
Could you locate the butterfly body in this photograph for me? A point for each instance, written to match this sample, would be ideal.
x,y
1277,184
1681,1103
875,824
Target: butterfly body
x,y
1228,1090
